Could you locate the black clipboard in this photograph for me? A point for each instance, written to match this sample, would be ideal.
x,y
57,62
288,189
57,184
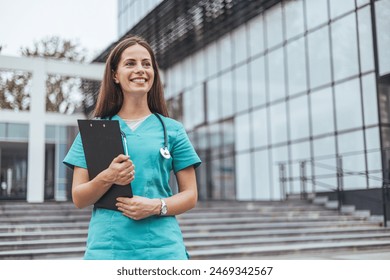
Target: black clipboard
x,y
102,142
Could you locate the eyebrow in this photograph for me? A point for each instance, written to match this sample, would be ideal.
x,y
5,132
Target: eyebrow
x,y
144,59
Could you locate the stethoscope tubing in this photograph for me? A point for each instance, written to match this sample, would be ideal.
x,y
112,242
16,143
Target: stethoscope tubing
x,y
164,151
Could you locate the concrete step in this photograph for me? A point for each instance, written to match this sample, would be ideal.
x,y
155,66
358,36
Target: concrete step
x,y
275,225
40,227
199,244
224,229
306,232
276,250
257,241
42,244
46,253
245,220
42,235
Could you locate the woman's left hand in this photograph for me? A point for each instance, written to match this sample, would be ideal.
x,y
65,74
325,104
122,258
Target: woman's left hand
x,y
138,207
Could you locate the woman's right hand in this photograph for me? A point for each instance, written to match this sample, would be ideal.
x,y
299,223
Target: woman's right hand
x,y
121,171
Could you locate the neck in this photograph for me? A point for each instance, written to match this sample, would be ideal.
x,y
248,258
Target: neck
x,y
134,108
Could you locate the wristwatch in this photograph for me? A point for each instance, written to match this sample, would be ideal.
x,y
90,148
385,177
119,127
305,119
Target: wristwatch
x,y
164,208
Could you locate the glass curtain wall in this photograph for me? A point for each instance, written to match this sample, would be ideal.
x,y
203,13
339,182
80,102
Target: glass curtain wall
x,y
296,82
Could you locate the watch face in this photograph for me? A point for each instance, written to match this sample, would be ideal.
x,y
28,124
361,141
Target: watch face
x,y
164,210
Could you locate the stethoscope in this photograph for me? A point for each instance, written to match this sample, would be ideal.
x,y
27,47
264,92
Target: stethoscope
x,y
163,150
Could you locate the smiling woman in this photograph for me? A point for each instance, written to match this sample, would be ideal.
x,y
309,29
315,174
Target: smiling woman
x,y
144,226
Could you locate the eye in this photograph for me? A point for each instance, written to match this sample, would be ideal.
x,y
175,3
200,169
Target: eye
x,y
147,64
130,63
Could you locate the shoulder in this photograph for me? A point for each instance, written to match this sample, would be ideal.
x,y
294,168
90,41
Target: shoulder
x,y
171,124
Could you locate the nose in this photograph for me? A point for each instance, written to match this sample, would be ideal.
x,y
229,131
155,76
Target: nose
x,y
139,68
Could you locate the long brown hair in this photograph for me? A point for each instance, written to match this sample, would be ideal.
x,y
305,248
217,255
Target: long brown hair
x,y
110,98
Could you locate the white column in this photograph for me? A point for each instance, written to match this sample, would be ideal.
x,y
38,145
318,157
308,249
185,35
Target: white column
x,y
36,143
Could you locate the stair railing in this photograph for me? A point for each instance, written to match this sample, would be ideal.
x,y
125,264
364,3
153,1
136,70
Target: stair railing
x,y
338,172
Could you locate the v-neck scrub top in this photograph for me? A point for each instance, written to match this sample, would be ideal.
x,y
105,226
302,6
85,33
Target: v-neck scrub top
x,y
112,235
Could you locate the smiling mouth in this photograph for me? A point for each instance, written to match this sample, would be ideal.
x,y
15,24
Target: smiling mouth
x,y
138,81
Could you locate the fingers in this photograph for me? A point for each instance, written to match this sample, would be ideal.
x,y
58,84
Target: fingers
x,y
120,158
122,169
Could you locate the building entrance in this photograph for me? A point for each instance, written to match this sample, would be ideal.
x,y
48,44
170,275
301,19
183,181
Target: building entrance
x,y
13,170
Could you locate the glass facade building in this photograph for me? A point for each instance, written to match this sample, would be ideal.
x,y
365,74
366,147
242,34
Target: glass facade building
x,y
277,82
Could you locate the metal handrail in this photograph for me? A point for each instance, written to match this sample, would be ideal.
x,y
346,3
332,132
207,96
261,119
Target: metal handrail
x,y
340,174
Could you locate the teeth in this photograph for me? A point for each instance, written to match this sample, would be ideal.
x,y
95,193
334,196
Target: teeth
x,y
139,80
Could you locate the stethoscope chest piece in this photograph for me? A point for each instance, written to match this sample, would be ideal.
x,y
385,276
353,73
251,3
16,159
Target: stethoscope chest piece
x,y
165,153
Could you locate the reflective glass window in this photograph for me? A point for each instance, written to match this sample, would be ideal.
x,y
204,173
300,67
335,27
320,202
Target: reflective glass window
x,y
197,105
319,57
382,13
199,71
256,35
374,159
276,75
299,152
324,146
278,123
228,178
260,128
241,81
240,44
211,59
3,130
50,132
262,175
370,102
258,82
296,62
365,39
316,12
214,139
278,154
173,79
294,16
322,111
273,18
345,56
215,184
299,117
227,94
187,110
18,131
244,176
225,51
62,151
213,100
348,105
242,127
362,2
350,143
168,92
325,167
338,8
227,134
187,72
63,133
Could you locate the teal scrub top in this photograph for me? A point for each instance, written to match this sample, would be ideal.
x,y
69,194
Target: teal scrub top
x,y
114,236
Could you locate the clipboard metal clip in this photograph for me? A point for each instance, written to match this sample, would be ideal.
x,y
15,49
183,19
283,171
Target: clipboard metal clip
x,y
125,143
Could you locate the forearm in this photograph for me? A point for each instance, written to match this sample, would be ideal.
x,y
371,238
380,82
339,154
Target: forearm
x,y
181,202
88,193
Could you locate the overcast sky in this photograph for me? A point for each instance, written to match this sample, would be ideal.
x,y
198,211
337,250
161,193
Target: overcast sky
x,y
92,23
